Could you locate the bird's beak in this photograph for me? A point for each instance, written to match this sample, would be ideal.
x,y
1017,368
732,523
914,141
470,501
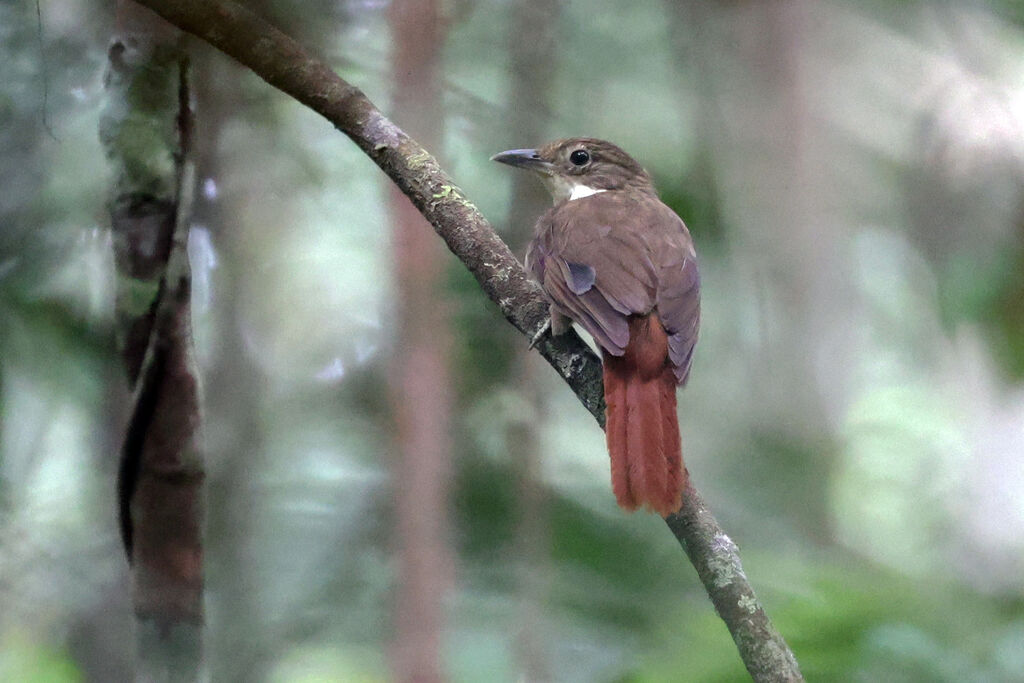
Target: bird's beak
x,y
524,158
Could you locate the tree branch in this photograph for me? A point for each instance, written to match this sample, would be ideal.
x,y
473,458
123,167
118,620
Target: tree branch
x,y
284,64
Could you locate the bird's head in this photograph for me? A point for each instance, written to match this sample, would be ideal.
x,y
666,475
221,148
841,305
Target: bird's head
x,y
579,167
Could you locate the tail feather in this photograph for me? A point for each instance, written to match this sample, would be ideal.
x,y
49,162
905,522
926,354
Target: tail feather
x,y
641,424
645,442
675,472
616,432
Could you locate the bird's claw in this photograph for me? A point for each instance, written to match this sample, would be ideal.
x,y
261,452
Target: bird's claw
x,y
546,327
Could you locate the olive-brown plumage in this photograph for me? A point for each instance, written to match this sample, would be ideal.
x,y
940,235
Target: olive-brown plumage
x,y
616,260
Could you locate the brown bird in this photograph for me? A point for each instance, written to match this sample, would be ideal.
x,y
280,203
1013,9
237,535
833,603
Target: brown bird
x,y
613,258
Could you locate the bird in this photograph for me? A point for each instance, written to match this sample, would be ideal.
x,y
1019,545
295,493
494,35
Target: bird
x,y
610,256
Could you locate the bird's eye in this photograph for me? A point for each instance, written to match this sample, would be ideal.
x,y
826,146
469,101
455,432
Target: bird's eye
x,y
580,157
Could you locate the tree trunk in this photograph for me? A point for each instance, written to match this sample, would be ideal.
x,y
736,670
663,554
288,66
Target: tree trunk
x,y
421,395
783,244
533,64
146,133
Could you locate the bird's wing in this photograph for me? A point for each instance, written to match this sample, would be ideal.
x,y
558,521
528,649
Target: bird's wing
x,y
679,307
605,257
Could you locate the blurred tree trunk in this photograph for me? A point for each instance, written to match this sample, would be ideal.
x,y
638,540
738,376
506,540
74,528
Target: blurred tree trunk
x,y
238,649
420,379
533,30
247,644
146,132
754,113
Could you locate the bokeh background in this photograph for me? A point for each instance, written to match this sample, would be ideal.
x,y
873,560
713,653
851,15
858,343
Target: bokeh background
x,y
853,176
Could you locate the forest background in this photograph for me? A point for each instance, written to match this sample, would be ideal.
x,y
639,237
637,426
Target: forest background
x,y
852,176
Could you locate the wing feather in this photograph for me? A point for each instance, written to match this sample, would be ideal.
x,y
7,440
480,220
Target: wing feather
x,y
612,255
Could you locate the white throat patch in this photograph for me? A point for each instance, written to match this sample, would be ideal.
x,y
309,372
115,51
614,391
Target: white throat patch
x,y
562,189
581,191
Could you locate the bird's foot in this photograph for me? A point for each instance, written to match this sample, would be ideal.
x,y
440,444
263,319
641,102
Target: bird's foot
x,y
540,333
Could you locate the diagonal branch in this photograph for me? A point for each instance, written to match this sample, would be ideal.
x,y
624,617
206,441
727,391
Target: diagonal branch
x,y
284,64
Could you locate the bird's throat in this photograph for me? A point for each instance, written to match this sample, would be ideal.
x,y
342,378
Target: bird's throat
x,y
581,191
563,189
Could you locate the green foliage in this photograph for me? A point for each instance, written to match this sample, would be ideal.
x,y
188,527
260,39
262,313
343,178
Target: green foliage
x,y
26,660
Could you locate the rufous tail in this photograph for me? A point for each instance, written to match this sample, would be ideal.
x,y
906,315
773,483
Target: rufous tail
x,y
641,424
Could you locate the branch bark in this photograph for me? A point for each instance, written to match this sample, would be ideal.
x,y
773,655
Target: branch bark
x,y
283,63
